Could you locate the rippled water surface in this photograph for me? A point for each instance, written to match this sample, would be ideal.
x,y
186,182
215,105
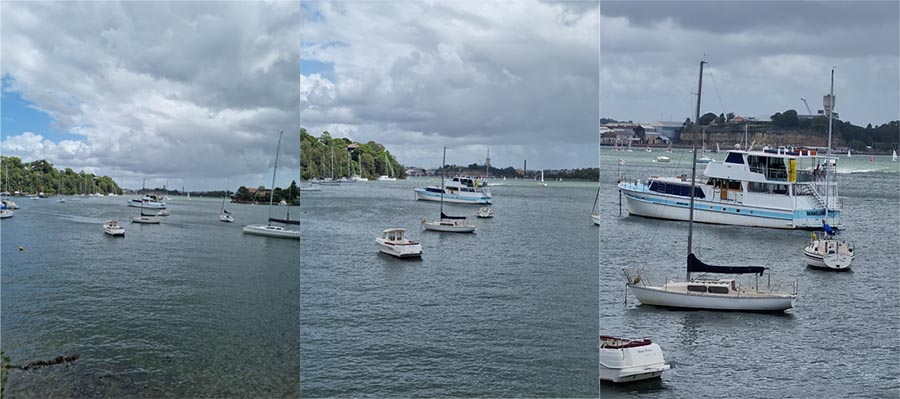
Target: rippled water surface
x,y
508,311
188,308
841,340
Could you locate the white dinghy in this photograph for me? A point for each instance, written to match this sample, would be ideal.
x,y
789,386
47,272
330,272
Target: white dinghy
x,y
626,360
394,242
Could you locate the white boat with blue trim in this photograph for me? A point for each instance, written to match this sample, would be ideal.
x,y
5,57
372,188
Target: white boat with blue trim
x,y
459,190
150,201
773,188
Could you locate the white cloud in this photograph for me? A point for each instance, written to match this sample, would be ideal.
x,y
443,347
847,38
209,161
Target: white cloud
x,y
510,76
191,92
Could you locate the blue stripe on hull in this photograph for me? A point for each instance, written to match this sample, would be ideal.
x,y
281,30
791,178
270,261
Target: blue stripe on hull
x,y
800,217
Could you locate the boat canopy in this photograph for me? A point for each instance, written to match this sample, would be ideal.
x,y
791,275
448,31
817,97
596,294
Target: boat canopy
x,y
697,266
445,216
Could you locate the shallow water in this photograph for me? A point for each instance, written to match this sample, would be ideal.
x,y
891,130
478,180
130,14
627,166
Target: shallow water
x,y
188,308
508,311
841,340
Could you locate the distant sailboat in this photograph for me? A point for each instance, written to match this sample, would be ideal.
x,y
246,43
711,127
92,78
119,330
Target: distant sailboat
x,y
224,215
848,153
542,183
894,156
270,230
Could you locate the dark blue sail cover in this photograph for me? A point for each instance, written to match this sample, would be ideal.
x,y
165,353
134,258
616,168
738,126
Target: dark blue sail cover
x,y
284,221
445,216
696,266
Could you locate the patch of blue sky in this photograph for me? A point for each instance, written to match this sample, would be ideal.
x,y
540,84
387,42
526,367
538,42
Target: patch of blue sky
x,y
311,67
20,115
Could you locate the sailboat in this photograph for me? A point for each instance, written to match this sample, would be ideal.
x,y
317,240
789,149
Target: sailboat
x,y
711,294
894,156
595,211
448,224
224,215
145,218
270,230
669,148
390,175
829,252
703,158
542,183
848,153
59,192
629,147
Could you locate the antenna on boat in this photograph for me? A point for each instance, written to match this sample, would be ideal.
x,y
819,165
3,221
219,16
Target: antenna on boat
x,y
691,210
274,171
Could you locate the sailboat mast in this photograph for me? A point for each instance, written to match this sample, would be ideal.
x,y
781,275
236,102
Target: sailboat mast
x,y
699,90
691,211
332,161
830,109
274,171
443,163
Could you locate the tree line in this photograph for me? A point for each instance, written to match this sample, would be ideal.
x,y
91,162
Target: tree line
x,y
260,194
40,176
325,156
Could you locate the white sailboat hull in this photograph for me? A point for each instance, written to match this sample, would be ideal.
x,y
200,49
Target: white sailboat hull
x,y
460,198
829,254
659,297
595,217
145,219
226,218
271,231
449,226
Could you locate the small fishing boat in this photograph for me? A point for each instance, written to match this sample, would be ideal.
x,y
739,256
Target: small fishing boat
x,y
627,360
663,158
113,228
6,213
485,212
394,242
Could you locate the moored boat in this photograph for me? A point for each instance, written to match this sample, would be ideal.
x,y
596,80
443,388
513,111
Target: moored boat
x,y
628,360
459,190
394,242
113,228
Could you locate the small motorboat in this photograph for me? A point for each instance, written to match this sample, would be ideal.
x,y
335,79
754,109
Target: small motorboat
x,y
485,212
394,242
829,253
113,228
164,212
705,160
6,213
627,360
663,158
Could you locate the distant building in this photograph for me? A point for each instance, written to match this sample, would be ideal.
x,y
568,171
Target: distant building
x,y
668,130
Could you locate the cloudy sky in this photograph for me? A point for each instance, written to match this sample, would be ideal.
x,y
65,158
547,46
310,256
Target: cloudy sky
x,y
764,57
518,77
190,92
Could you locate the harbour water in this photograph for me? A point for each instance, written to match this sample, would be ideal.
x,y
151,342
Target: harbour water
x,y
841,340
508,311
188,308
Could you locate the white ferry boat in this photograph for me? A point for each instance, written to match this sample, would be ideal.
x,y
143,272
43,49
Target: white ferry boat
x,y
781,188
150,201
459,190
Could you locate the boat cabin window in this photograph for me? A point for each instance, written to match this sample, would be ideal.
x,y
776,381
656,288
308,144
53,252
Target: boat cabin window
x,y
771,168
697,288
734,157
715,289
767,188
725,183
675,189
